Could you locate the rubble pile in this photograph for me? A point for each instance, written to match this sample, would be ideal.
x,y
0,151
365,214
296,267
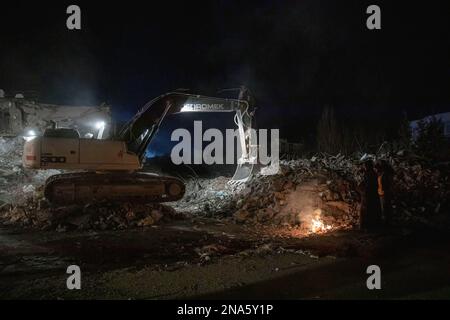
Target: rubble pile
x,y
315,195
22,202
100,216
17,183
321,194
10,163
310,193
421,192
208,197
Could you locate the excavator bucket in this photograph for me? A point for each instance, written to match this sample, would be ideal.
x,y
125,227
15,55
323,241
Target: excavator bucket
x,y
243,173
247,138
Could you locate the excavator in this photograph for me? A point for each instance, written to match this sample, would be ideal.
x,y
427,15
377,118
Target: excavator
x,y
111,169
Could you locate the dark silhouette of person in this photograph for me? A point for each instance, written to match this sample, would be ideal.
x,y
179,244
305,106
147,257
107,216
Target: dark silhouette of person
x,y
370,213
385,180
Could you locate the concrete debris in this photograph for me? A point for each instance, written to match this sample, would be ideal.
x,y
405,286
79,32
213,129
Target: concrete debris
x,y
304,191
422,192
313,195
17,183
22,202
212,249
264,249
290,198
206,252
28,188
147,221
320,194
94,216
208,197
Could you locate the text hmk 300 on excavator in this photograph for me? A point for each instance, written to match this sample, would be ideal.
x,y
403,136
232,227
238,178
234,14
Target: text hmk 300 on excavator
x,y
112,165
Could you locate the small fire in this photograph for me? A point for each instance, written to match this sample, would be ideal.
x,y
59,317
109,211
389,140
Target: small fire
x,y
317,225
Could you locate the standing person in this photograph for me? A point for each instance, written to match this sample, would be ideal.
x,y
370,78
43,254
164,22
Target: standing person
x,y
385,177
370,214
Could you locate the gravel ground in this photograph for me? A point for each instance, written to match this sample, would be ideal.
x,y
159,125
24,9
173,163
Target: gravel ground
x,y
207,258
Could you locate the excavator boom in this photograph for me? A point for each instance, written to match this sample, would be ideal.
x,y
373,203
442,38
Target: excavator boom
x,y
141,129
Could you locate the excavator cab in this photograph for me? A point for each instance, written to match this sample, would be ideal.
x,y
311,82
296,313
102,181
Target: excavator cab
x,y
62,133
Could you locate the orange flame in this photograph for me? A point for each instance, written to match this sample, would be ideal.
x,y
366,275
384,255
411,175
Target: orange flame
x,y
317,225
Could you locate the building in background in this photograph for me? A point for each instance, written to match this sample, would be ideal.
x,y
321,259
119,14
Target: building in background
x,y
443,117
290,150
19,115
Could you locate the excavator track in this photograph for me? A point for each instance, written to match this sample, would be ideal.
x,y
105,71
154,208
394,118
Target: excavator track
x,y
88,187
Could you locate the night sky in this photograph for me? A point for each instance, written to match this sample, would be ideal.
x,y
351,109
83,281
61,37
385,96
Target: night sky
x,y
296,56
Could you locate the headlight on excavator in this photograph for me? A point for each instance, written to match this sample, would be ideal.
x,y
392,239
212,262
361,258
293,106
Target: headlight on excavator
x,y
99,125
31,153
30,135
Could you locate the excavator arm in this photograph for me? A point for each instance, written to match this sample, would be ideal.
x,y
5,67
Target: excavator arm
x,y
142,128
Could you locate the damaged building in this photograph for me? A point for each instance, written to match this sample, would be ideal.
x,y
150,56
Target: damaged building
x,y
19,115
290,150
